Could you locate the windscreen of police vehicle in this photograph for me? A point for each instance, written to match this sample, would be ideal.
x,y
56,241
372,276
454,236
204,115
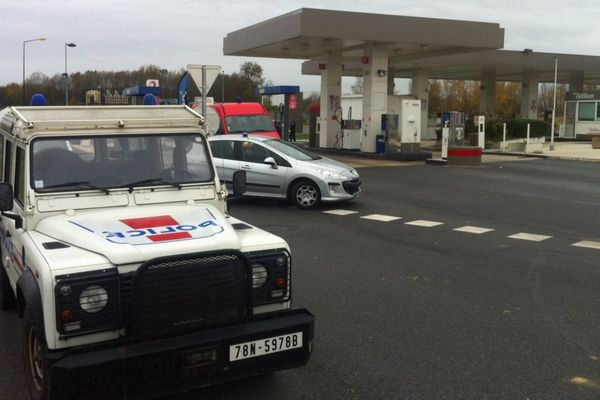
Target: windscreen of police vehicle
x,y
119,161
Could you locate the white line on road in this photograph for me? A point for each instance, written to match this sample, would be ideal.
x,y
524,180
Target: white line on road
x,y
424,223
473,229
529,236
380,217
587,244
340,212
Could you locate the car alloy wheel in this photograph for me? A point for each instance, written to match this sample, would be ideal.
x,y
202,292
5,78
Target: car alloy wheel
x,y
306,195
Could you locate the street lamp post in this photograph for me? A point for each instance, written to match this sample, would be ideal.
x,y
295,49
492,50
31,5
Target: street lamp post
x,y
67,73
222,86
41,39
554,105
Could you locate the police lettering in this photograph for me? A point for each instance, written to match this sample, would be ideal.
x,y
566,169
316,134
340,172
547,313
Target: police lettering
x,y
163,230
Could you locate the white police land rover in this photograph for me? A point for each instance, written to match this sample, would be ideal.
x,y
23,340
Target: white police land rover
x,y
128,273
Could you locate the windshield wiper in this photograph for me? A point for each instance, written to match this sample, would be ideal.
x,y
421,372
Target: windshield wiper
x,y
131,185
79,184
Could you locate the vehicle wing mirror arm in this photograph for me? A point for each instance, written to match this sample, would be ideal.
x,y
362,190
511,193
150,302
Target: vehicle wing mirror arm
x,y
17,218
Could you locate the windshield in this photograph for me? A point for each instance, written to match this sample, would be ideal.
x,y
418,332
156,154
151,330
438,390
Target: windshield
x,y
291,150
249,123
99,163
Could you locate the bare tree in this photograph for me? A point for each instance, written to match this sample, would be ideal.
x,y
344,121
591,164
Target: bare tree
x,y
357,88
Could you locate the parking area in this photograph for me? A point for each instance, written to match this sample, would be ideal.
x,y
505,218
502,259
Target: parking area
x,y
445,283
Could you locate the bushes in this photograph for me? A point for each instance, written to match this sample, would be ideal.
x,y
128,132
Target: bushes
x,y
517,129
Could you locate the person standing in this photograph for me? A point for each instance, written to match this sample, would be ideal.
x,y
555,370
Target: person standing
x,y
293,131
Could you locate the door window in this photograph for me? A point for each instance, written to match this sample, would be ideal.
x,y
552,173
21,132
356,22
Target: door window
x,y
254,152
20,176
223,149
1,156
7,162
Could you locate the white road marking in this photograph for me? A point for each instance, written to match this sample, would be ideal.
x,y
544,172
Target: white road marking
x,y
424,223
529,236
473,229
587,244
380,217
340,212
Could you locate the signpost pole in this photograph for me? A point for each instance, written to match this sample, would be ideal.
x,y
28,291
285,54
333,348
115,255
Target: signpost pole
x,y
554,105
504,136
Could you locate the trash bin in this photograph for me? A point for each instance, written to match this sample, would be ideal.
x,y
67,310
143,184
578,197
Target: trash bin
x,y
380,144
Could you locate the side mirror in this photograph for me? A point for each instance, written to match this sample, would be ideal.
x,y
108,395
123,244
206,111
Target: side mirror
x,y
6,197
271,162
239,182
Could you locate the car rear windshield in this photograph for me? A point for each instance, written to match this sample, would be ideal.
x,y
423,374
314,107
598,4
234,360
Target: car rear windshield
x,y
291,150
59,164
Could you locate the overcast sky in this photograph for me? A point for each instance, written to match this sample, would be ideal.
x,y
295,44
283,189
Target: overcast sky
x,y
125,34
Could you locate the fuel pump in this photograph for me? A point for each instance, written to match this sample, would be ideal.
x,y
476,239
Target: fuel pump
x,y
351,129
404,129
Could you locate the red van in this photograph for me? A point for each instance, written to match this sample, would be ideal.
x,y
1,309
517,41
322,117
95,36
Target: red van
x,y
244,117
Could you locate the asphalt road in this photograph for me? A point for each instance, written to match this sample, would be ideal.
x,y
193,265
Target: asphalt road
x,y
410,312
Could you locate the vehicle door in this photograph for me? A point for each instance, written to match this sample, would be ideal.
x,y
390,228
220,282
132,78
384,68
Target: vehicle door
x,y
262,179
12,236
225,159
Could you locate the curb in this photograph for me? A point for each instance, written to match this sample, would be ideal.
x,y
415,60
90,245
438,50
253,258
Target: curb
x,y
513,154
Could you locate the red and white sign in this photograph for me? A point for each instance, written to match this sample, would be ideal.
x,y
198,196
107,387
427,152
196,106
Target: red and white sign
x,y
293,103
152,82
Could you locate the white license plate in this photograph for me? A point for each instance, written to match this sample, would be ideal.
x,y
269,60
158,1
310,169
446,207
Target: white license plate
x,y
266,346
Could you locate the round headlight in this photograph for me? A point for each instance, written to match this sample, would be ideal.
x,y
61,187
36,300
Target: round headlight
x,y
259,275
93,299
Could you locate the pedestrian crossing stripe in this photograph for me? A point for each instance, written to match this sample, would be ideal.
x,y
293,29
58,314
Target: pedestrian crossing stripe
x,y
381,217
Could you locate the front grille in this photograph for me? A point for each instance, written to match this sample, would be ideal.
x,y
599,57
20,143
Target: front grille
x,y
352,186
125,287
172,296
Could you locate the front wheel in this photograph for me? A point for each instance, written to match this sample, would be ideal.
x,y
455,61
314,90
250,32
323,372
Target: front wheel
x,y
305,195
34,358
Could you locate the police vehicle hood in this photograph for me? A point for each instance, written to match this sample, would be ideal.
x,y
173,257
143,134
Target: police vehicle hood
x,y
136,234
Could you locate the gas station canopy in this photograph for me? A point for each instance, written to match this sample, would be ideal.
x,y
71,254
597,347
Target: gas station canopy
x,y
447,49
309,33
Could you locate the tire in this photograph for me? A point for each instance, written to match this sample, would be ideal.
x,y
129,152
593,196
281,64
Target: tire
x,y
35,362
305,195
7,296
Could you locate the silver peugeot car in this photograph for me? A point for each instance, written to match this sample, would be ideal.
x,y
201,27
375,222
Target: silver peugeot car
x,y
275,168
